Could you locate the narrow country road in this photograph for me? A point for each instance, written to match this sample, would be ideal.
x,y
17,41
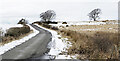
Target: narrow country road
x,y
34,47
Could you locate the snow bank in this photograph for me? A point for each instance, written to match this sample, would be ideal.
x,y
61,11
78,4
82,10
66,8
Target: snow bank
x,y
13,44
56,46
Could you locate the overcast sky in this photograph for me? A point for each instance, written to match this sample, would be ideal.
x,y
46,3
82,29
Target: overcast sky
x,y
61,0
65,9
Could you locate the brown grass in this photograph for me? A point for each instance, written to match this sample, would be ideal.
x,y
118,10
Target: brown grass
x,y
93,44
97,46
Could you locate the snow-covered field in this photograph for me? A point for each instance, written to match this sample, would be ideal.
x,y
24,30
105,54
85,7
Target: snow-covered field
x,y
83,23
78,23
56,46
8,46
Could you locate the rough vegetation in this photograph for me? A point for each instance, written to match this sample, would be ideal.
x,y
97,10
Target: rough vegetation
x,y
23,22
98,46
64,23
93,44
46,25
16,33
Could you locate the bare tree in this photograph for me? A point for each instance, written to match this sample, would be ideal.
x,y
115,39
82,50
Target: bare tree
x,y
95,14
48,15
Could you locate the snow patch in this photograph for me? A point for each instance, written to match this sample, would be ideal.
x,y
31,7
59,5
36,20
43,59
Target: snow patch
x,y
110,28
15,43
89,29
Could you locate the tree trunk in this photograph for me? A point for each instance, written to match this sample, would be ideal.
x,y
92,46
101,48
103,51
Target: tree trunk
x,y
94,19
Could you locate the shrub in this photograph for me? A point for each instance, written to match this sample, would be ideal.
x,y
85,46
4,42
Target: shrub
x,y
53,22
67,26
64,23
46,25
23,21
17,31
105,21
54,28
38,22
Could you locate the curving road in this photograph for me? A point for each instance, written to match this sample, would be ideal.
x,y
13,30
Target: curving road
x,y
34,47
